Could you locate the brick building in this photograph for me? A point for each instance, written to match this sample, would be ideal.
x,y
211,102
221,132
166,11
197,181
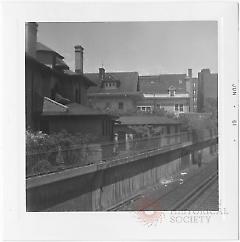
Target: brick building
x,y
207,88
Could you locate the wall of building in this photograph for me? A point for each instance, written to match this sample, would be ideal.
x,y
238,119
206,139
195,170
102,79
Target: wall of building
x,y
192,89
38,83
166,104
112,104
99,127
207,87
74,90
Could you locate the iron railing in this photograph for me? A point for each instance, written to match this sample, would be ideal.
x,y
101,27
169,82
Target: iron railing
x,y
42,160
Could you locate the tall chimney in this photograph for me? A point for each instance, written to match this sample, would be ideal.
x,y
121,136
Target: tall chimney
x,y
101,74
31,38
190,73
78,58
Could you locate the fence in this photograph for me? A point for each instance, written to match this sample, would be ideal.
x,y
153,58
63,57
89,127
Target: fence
x,y
59,158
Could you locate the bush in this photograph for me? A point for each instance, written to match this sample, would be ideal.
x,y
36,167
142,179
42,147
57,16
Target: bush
x,y
49,152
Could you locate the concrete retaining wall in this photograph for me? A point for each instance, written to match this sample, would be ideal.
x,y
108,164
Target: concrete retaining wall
x,y
103,186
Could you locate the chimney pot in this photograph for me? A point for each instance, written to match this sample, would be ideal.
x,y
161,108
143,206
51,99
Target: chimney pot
x,y
78,58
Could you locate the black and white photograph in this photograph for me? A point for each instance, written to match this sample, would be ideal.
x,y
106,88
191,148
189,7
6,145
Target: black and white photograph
x,y
121,116
120,121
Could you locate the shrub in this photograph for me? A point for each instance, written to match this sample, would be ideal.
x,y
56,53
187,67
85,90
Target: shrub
x,y
49,152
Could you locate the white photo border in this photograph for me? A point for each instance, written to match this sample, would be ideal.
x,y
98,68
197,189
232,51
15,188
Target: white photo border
x,y
22,225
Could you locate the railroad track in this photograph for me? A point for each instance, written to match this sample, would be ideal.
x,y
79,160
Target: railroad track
x,y
188,199
183,203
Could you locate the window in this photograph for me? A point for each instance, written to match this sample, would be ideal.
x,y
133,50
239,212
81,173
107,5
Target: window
x,y
176,107
194,92
194,99
120,105
143,108
194,84
181,107
172,93
148,109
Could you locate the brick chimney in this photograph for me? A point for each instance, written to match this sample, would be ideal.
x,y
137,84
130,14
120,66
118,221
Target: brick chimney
x,y
101,74
190,73
31,38
78,58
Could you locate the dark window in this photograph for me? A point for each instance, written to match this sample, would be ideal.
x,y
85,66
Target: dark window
x,y
176,107
181,107
172,93
120,105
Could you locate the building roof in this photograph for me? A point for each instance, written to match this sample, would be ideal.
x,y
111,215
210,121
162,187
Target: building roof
x,y
66,72
42,47
146,120
77,75
161,83
128,82
53,108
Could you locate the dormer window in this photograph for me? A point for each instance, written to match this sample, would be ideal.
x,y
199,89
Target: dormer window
x,y
171,91
110,82
110,85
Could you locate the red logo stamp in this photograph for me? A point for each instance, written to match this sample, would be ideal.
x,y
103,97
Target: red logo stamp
x,y
149,212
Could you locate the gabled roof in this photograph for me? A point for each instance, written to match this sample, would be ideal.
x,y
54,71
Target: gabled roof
x,y
53,108
146,120
161,83
77,75
128,82
42,47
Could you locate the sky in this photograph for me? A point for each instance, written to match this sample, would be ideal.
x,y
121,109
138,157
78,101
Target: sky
x,y
148,48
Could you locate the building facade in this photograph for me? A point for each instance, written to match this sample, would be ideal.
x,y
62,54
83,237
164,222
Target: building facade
x,y
168,92
115,92
207,88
